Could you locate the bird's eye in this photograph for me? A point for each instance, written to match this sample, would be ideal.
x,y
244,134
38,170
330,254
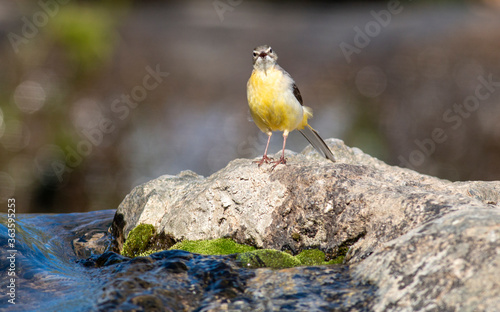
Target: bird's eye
x,y
270,50
255,54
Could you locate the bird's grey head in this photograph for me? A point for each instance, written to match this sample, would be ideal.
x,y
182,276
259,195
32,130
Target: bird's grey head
x,y
264,57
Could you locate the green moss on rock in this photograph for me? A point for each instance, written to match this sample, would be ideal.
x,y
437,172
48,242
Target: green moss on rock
x,y
220,246
278,260
138,240
267,258
311,257
317,257
337,260
148,252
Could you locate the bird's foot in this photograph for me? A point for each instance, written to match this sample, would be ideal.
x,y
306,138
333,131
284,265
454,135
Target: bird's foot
x,y
282,160
264,159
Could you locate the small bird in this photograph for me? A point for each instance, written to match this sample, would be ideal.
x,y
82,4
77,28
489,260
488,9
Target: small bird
x,y
276,104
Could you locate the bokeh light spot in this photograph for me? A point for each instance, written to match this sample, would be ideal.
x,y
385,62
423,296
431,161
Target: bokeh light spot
x,y
86,114
29,96
371,81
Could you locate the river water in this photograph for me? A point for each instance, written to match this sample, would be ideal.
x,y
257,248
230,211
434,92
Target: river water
x,y
54,273
48,275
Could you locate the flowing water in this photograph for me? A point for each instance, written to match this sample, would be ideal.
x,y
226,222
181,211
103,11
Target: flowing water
x,y
48,276
59,268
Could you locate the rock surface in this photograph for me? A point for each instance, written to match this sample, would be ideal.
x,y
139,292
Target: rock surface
x,y
450,263
424,242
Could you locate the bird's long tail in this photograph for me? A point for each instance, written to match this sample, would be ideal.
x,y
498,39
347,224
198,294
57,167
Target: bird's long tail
x,y
317,142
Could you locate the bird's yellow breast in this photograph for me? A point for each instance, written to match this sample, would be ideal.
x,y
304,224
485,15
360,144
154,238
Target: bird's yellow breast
x,y
273,105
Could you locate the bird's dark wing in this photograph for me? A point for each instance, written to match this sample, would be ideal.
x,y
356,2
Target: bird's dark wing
x,y
296,92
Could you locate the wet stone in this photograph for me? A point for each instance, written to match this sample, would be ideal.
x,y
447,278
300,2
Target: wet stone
x,y
181,281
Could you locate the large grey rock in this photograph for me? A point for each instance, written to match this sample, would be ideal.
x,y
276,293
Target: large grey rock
x,y
310,202
450,263
425,243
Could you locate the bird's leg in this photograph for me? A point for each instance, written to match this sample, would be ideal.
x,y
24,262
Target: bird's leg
x,y
265,159
282,159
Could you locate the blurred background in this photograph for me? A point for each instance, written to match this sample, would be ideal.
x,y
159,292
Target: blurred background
x,y
97,97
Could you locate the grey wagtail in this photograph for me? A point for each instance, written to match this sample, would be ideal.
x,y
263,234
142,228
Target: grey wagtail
x,y
276,104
